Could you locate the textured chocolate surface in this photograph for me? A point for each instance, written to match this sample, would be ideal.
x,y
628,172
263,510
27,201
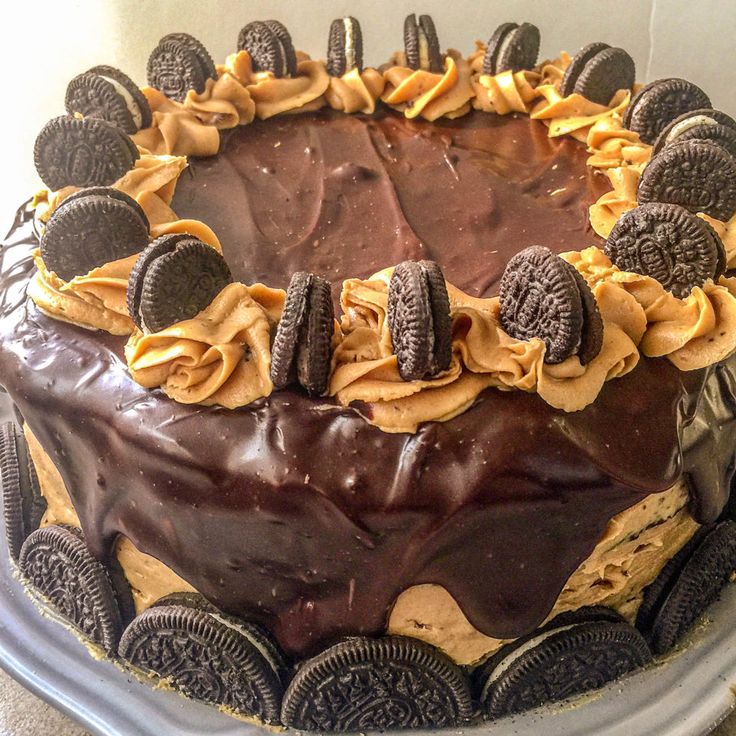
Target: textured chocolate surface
x,y
301,516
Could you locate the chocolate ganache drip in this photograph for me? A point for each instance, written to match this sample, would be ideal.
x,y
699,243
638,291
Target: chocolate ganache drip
x,y
296,513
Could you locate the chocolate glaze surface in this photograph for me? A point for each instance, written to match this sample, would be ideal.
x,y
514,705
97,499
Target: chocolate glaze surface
x,y
298,514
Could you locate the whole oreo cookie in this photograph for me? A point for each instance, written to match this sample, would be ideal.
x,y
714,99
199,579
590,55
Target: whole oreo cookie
x,y
674,605
345,47
302,347
543,296
382,684
106,93
91,228
668,243
710,125
512,47
82,153
270,47
559,661
198,48
23,504
175,67
598,72
658,103
421,44
56,561
419,319
697,175
207,656
174,279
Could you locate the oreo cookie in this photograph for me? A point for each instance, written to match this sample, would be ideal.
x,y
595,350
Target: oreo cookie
x,y
698,175
571,655
91,228
174,279
207,656
82,153
270,48
512,47
345,47
179,63
56,561
658,103
23,504
419,319
687,585
106,93
364,684
597,72
710,125
668,243
302,347
543,296
421,44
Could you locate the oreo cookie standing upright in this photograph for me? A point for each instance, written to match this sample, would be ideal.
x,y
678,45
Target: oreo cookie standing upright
x,y
512,47
269,46
106,93
706,124
179,63
82,153
597,72
421,44
345,47
658,103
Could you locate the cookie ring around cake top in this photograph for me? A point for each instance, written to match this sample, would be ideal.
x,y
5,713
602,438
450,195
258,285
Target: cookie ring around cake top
x,y
658,103
345,46
681,128
421,45
366,684
174,68
82,152
669,244
697,175
512,47
207,656
419,319
56,561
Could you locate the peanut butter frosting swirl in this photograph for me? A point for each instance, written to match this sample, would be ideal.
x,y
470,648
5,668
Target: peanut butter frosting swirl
x,y
220,357
610,206
175,129
427,94
612,145
505,92
355,91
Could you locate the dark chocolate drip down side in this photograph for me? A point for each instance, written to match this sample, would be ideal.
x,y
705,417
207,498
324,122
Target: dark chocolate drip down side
x,y
298,514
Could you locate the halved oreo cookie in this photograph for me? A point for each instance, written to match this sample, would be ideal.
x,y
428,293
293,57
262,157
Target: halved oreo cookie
x,y
597,72
174,279
177,65
421,44
302,347
345,47
711,125
688,586
208,656
91,228
668,243
561,660
23,504
106,93
270,47
82,153
512,47
697,175
56,561
543,296
658,103
419,319
382,684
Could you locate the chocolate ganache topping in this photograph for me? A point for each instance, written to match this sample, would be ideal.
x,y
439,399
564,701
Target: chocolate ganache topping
x,y
298,514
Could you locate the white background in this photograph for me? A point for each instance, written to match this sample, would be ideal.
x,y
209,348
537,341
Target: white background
x,y
45,43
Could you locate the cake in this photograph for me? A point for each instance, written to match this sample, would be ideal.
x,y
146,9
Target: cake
x,y
357,399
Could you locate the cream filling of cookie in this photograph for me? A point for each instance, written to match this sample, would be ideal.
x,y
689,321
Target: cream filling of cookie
x,y
349,44
130,102
502,46
423,49
685,125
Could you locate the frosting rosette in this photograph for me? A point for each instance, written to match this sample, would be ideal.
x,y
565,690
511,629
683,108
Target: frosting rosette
x,y
220,357
505,92
610,206
419,93
355,91
612,145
